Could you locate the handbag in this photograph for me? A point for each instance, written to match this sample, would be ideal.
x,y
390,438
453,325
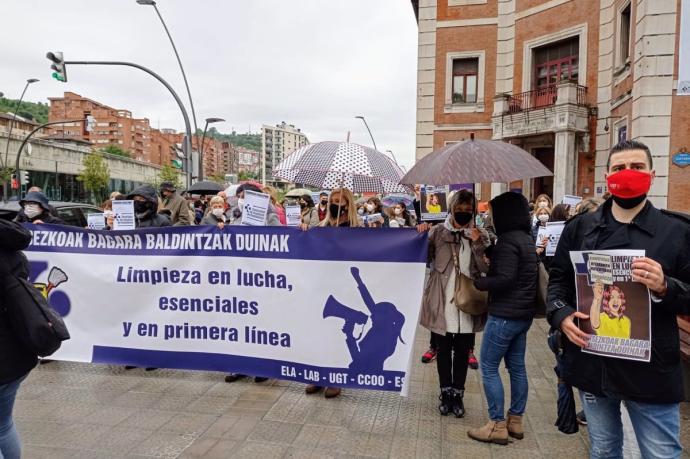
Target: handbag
x,y
542,289
38,327
466,297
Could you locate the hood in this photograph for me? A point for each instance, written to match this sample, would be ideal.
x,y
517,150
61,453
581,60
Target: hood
x,y
145,191
510,212
37,197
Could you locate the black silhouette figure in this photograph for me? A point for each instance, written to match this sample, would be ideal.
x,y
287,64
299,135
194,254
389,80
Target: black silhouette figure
x,y
368,353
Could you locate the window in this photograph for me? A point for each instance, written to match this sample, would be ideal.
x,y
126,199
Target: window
x,y
556,62
624,35
465,75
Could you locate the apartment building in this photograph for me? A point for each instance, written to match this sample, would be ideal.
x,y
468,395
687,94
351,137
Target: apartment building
x,y
564,80
277,142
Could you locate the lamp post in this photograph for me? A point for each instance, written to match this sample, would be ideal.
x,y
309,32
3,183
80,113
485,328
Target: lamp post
x,y
14,116
395,160
179,61
367,126
201,149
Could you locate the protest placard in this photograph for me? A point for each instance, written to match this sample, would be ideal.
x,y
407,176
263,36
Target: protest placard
x,y
293,215
553,233
433,202
95,221
124,218
542,237
255,208
251,300
618,308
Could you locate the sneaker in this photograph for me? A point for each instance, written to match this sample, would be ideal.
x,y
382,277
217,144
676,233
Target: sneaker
x,y
581,418
429,355
472,361
259,379
232,377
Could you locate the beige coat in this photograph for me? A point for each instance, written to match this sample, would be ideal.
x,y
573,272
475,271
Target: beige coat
x,y
442,270
179,210
310,217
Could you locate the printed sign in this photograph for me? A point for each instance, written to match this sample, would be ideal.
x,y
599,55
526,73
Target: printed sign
x,y
553,234
123,211
95,221
619,309
252,300
433,202
293,214
255,208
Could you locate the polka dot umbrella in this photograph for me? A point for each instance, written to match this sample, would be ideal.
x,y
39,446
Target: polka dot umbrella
x,y
330,165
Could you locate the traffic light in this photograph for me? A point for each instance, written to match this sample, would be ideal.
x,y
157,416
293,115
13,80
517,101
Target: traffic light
x,y
15,183
58,67
24,177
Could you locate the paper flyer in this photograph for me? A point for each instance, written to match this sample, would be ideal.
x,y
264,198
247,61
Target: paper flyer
x,y
553,233
255,208
95,221
124,215
293,214
619,309
433,202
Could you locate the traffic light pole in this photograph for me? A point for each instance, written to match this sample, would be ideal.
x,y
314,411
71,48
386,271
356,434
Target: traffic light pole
x,y
26,139
187,144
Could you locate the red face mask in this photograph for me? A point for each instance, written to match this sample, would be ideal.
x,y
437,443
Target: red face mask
x,y
629,183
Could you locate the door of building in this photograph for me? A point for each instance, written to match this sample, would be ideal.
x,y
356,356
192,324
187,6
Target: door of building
x,y
543,185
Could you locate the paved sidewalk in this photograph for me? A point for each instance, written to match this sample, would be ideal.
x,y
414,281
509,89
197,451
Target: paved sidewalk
x,y
69,410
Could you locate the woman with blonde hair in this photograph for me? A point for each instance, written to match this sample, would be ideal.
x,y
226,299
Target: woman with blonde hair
x,y
342,209
273,193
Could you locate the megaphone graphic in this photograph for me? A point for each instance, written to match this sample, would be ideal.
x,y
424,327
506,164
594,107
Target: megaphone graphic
x,y
335,308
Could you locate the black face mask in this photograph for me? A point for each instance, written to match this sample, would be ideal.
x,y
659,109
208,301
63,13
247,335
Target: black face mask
x,y
324,202
302,205
141,207
333,210
462,218
629,203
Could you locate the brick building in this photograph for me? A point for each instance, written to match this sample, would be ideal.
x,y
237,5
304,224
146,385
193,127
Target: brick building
x,y
563,79
118,127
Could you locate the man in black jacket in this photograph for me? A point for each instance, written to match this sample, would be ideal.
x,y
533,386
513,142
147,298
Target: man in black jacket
x,y
15,360
512,287
651,391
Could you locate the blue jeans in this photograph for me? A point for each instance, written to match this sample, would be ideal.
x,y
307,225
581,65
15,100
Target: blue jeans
x,y
504,339
657,427
9,439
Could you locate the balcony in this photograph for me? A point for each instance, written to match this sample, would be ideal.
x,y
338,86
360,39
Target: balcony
x,y
545,110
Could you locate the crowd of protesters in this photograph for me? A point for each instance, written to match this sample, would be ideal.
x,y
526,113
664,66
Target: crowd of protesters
x,y
484,266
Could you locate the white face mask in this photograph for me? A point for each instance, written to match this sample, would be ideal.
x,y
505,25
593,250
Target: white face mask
x,y
32,210
360,211
543,218
397,211
240,204
218,212
370,207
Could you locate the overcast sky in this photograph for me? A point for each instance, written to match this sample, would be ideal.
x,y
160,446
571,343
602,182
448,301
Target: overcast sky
x,y
312,63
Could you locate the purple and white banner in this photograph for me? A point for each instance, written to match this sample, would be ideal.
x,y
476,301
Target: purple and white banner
x,y
330,306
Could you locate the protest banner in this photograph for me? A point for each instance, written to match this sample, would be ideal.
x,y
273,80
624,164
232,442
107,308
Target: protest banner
x,y
293,215
255,208
258,301
433,202
95,221
618,308
553,233
124,218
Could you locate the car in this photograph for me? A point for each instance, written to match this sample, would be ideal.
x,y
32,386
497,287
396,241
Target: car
x,y
72,213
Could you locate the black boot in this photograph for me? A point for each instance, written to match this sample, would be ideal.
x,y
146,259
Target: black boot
x,y
458,404
446,399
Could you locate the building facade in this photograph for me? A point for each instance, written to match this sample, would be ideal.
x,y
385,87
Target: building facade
x,y
563,79
277,142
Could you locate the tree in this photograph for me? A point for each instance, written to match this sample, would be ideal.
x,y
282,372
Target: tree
x,y
95,176
217,178
168,174
117,151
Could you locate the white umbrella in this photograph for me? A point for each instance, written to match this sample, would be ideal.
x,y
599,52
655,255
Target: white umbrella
x,y
330,165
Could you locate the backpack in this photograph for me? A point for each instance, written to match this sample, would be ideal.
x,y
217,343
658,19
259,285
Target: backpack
x,y
36,325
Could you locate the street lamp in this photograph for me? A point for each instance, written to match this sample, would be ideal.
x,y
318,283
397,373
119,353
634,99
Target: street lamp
x,y
203,137
184,75
14,116
396,161
367,126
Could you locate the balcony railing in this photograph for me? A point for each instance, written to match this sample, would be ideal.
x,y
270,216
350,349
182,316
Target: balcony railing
x,y
541,98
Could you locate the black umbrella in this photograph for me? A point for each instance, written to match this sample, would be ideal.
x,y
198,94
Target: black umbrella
x,y
205,187
567,417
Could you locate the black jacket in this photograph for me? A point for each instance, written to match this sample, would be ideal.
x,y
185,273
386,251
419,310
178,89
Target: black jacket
x,y
15,360
512,278
665,237
45,217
